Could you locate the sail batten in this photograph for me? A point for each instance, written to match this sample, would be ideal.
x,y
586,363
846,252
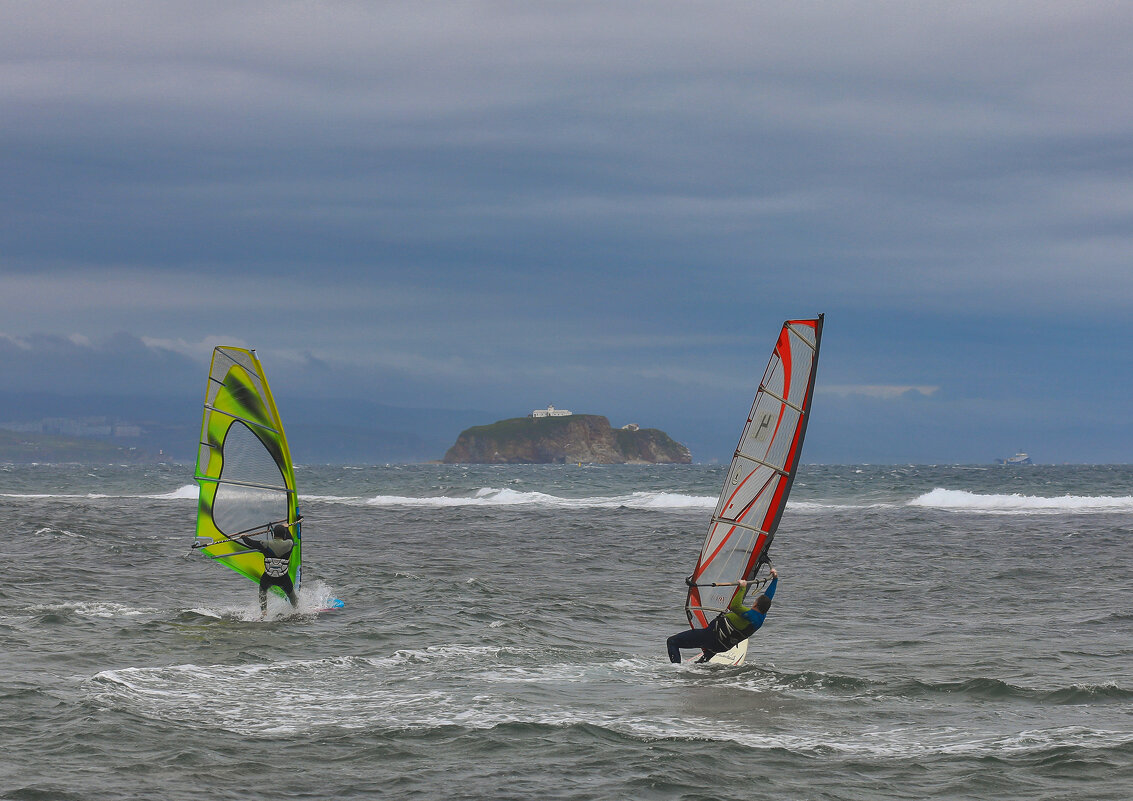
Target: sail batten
x,y
243,484
794,330
244,469
784,401
757,460
759,478
729,522
242,419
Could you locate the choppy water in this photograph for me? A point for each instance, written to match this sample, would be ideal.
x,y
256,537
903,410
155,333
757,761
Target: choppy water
x,y
939,632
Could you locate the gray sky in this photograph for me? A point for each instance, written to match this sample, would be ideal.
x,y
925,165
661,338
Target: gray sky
x,y
608,206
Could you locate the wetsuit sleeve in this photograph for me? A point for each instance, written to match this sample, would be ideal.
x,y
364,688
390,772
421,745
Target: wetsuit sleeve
x,y
753,616
737,613
737,604
251,543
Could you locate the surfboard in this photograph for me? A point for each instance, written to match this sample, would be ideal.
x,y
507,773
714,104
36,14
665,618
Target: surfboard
x,y
758,481
732,657
244,469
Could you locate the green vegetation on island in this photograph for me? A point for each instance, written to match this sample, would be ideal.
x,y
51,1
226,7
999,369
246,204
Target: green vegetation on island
x,y
586,438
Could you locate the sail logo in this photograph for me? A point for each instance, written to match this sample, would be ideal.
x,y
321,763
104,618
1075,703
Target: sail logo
x,y
764,427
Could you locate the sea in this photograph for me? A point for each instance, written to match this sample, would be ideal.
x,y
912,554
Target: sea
x,y
938,632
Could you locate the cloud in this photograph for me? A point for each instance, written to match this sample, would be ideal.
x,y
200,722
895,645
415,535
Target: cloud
x,y
11,343
120,364
200,350
879,391
476,200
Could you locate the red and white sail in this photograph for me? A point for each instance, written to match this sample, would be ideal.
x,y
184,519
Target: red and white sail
x,y
760,476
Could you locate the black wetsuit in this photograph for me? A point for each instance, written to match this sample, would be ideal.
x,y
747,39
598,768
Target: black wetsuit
x,y
277,568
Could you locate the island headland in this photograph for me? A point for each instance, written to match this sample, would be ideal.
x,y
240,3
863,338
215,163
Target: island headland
x,y
556,436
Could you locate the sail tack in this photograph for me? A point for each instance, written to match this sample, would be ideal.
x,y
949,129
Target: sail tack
x,y
759,478
244,468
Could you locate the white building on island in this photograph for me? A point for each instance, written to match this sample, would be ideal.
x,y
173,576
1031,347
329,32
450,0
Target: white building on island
x,y
551,411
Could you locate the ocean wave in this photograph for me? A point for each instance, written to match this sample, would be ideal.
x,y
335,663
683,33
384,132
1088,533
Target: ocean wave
x,y
820,506
492,496
314,597
104,609
964,501
759,679
996,689
478,688
186,492
46,495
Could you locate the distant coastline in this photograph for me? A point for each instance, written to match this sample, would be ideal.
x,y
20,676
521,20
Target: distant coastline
x,y
30,447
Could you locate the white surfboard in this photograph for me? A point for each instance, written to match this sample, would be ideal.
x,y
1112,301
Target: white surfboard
x,y
733,657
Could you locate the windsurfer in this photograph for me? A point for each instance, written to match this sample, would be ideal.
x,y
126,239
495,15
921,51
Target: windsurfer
x,y
277,563
728,629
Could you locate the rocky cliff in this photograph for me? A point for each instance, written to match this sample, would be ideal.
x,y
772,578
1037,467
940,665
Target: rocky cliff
x,y
584,438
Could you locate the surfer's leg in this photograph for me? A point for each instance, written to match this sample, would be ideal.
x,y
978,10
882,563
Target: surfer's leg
x,y
288,588
689,638
265,582
674,649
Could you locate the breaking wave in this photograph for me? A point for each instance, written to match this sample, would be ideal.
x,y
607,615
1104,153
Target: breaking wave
x,y
490,496
186,492
963,501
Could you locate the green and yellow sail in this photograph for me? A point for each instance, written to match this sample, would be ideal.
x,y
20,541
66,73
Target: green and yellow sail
x,y
247,482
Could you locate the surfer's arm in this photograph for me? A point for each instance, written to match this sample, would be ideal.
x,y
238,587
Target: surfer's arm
x,y
251,543
737,604
770,591
748,614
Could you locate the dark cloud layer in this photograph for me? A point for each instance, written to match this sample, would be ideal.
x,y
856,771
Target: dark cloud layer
x,y
608,205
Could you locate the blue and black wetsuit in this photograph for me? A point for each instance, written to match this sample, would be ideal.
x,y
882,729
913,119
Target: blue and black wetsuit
x,y
277,567
727,630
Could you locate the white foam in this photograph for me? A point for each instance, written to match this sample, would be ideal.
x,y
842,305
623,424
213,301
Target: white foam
x,y
87,496
314,597
188,492
817,506
492,496
964,501
481,688
92,609
668,500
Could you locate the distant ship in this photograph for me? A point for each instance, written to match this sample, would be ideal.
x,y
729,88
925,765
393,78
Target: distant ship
x,y
1019,458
